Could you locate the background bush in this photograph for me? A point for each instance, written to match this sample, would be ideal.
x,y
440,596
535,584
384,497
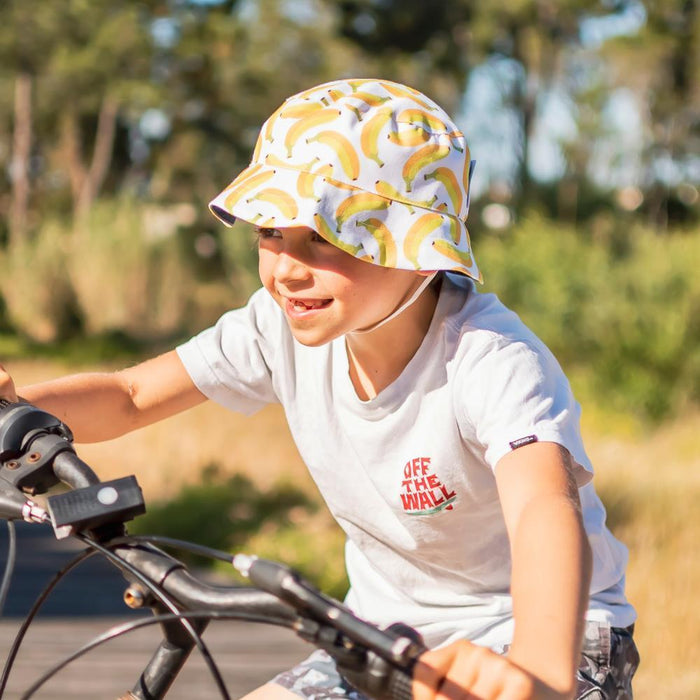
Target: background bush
x,y
233,514
622,314
38,298
116,274
127,275
618,305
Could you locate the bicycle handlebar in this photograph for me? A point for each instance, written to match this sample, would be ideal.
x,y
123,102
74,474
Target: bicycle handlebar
x,y
36,453
193,594
289,586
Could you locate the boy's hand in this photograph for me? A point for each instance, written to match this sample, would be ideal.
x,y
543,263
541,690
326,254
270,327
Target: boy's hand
x,y
463,670
7,386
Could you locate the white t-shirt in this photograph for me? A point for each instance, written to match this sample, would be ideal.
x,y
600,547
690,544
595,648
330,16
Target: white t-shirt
x,y
409,474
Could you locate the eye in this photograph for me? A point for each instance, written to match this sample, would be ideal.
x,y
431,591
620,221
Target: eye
x,y
317,237
264,233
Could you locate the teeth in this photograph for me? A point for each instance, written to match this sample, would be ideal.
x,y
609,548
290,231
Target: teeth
x,y
305,305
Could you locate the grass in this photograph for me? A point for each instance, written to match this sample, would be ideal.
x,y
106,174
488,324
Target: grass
x,y
650,484
648,479
113,346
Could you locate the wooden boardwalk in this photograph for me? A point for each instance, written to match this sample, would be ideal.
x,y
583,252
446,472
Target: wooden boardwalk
x,y
247,655
87,603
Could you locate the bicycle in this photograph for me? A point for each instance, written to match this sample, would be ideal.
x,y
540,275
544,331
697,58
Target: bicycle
x,y
37,454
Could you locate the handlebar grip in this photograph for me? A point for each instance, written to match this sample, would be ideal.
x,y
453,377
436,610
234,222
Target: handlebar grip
x,y
377,678
72,471
400,686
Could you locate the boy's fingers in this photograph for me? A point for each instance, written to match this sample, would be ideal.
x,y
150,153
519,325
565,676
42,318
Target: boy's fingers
x,y
7,386
428,675
446,673
465,671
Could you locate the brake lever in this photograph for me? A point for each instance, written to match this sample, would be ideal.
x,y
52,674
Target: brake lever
x,y
362,668
394,645
335,643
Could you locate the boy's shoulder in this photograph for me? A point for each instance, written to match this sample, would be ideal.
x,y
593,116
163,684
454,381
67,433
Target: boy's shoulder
x,y
480,330
469,311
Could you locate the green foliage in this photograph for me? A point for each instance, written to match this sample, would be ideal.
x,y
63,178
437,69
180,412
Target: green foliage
x,y
622,315
129,273
313,548
122,277
233,514
38,298
240,257
221,512
226,74
78,351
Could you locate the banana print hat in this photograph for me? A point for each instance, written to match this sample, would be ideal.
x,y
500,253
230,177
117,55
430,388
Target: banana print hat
x,y
375,167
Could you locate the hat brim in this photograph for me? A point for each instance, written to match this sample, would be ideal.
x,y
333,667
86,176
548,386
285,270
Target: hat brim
x,y
353,219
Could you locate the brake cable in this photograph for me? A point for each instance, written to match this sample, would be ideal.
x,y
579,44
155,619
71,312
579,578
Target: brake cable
x,y
128,627
41,598
166,600
9,564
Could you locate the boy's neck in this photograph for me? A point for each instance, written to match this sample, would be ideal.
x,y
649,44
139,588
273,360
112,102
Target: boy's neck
x,y
377,358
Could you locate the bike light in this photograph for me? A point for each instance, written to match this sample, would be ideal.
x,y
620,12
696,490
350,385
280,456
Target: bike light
x,y
84,509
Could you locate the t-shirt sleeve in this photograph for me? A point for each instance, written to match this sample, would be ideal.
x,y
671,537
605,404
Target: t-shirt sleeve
x,y
516,393
231,361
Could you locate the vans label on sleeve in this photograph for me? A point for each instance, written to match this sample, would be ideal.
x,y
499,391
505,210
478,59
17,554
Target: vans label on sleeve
x,y
520,442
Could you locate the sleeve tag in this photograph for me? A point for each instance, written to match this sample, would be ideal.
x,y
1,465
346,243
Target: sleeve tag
x,y
520,442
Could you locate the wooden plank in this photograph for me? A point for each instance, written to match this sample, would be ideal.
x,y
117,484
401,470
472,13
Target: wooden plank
x,y
247,655
87,603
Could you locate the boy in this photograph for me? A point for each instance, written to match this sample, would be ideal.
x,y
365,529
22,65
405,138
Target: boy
x,y
441,432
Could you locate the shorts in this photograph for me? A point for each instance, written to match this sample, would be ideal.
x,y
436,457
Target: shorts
x,y
608,662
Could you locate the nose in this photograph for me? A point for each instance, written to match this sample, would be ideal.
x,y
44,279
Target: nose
x,y
290,268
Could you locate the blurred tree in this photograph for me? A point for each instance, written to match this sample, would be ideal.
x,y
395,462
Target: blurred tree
x,y
98,77
660,64
535,35
76,65
226,67
534,48
223,70
21,62
425,44
165,97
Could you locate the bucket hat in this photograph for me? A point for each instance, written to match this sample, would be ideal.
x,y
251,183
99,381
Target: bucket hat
x,y
375,167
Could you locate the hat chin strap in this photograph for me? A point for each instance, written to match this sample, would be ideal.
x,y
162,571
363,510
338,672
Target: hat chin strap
x,y
411,300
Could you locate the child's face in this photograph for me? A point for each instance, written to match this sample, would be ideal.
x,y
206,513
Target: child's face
x,y
324,292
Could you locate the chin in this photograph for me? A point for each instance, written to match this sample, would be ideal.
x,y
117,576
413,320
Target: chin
x,y
311,339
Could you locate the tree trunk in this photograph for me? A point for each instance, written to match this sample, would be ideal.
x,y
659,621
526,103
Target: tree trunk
x,y
528,52
21,154
101,157
72,152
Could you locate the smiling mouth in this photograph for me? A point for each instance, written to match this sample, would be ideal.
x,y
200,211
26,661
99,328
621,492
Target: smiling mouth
x,y
308,304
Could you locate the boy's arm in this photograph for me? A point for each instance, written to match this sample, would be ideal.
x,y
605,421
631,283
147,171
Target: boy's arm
x,y
551,561
551,569
103,405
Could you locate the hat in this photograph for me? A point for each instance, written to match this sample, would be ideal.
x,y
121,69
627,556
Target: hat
x,y
375,167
